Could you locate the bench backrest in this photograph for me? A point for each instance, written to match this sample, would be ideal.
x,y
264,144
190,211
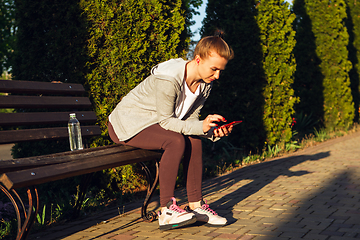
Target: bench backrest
x,y
57,99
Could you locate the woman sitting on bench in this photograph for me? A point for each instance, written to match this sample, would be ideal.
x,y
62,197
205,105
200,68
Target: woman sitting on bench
x,y
162,112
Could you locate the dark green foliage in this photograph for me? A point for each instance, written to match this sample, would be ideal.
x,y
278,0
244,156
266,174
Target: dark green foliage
x,y
7,31
277,40
303,125
127,38
331,39
237,95
50,43
353,28
256,85
308,84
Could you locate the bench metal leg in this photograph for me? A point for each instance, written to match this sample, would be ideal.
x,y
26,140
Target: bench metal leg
x,y
152,184
20,210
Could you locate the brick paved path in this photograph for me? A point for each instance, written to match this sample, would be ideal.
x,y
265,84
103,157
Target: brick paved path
x,y
312,194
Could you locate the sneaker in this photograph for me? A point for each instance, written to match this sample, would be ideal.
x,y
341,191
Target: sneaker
x,y
174,217
206,214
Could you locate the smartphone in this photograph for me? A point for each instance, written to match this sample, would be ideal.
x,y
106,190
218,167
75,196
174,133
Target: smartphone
x,y
229,124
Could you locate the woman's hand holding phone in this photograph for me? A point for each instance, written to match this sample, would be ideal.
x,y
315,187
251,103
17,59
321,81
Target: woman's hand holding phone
x,y
225,129
212,121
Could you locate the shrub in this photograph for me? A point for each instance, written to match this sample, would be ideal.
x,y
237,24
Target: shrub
x,y
330,56
256,86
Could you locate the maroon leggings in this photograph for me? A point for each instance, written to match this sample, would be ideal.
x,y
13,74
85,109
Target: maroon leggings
x,y
175,146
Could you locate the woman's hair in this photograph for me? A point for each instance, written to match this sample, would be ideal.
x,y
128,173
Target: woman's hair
x,y
216,44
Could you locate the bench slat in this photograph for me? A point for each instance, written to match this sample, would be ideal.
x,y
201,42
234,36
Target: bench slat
x,y
23,135
43,102
63,157
23,119
8,86
70,169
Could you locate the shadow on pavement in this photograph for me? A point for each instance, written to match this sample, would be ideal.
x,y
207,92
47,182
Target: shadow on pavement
x,y
261,175
332,211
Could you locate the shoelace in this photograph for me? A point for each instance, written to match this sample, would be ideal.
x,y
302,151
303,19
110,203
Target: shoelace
x,y
176,208
207,208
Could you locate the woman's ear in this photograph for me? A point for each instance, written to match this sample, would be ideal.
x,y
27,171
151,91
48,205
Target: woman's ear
x,y
197,59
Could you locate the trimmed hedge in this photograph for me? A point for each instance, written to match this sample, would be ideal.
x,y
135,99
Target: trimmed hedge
x,y
308,84
128,38
237,94
330,36
50,41
353,28
277,40
256,85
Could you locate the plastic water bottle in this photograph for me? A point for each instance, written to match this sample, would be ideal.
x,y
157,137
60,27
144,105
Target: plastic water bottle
x,y
74,133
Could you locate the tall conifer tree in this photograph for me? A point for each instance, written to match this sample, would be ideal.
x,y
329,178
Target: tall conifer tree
x,y
308,84
353,27
238,94
256,86
327,19
277,40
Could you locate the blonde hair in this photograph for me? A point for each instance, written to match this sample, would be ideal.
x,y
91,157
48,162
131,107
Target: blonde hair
x,y
213,43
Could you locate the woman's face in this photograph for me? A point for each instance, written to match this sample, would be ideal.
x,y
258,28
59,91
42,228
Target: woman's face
x,y
210,68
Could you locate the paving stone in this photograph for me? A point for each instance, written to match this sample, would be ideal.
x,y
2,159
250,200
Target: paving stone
x,y
315,236
123,237
73,237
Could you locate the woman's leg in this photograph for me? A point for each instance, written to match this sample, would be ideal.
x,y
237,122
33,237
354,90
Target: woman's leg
x,y
173,144
193,168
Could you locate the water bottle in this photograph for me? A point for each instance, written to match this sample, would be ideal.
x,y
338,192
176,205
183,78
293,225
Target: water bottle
x,y
74,133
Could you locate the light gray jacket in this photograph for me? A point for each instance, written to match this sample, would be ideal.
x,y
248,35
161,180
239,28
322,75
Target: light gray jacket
x,y
153,101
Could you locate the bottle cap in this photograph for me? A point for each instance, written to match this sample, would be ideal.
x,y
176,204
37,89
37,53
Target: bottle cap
x,y
72,115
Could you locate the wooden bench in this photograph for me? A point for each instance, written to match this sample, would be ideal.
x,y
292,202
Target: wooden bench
x,y
28,172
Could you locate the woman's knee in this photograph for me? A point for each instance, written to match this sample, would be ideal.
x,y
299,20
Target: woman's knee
x,y
175,141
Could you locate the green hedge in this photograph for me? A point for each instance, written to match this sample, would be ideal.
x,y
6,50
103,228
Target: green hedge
x,y
277,40
256,85
353,28
127,38
308,84
329,55
237,94
50,41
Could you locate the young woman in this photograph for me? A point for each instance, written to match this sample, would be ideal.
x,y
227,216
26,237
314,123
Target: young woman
x,y
162,112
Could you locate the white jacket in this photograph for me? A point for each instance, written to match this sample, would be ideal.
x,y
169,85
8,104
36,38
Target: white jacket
x,y
153,101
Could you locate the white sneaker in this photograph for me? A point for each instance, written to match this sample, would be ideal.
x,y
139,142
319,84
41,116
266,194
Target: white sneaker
x,y
206,214
174,217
